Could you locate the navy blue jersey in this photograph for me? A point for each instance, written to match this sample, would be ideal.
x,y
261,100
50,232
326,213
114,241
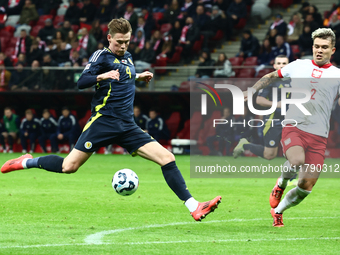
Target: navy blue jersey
x,y
30,126
141,120
112,97
157,128
48,126
268,93
67,125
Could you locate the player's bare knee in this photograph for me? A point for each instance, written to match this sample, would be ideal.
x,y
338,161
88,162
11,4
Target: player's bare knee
x,y
296,162
168,157
306,183
70,168
269,155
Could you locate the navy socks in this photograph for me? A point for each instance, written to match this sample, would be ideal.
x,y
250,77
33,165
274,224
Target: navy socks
x,y
255,148
52,163
174,179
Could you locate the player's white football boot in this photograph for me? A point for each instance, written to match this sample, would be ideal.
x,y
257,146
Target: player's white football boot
x,y
238,150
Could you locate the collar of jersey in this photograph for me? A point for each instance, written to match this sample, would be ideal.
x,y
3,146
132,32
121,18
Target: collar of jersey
x,y
115,54
324,66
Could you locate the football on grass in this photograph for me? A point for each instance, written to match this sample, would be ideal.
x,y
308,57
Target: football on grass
x,y
125,182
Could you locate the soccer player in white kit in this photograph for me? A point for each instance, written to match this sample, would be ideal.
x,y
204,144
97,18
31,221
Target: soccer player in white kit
x,y
304,141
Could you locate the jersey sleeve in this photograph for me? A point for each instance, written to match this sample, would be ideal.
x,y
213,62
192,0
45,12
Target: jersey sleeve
x,y
96,63
95,67
287,70
265,92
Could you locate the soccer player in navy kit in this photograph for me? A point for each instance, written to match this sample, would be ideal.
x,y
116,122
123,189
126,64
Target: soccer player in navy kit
x,y
29,129
112,72
67,130
48,128
273,127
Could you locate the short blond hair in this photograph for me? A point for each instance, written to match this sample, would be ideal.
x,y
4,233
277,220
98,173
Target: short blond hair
x,y
324,33
121,25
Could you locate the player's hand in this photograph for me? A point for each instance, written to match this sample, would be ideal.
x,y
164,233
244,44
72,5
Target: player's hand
x,y
114,74
60,136
145,76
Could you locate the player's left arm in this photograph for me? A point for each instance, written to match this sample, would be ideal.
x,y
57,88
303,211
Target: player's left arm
x,y
144,76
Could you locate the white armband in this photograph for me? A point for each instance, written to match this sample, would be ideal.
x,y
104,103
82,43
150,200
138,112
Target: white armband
x,y
137,76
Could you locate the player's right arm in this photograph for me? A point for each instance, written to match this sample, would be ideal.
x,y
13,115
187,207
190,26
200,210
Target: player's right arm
x,y
94,71
263,82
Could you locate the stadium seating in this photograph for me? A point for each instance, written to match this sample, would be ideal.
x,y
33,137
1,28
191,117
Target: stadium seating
x,y
196,48
87,26
53,113
104,28
283,3
160,61
157,16
9,51
3,43
42,19
35,30
173,123
75,28
250,61
246,73
83,121
6,33
58,20
184,87
208,128
165,28
236,61
218,36
176,57
295,50
241,24
195,125
185,132
264,72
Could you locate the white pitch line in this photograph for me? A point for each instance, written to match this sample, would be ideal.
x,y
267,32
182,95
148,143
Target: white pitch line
x,y
96,239
180,241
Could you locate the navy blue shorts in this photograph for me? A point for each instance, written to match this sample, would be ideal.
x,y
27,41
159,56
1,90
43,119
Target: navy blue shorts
x,y
102,130
272,137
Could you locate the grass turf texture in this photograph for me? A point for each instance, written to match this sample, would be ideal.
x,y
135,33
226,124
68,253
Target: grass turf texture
x,y
48,213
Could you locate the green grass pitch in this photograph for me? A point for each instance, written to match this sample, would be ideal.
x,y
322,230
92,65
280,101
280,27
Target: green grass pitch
x,y
48,213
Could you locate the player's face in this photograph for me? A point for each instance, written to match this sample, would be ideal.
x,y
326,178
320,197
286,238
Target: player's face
x,y
8,113
280,62
65,113
136,111
322,51
119,43
29,116
46,115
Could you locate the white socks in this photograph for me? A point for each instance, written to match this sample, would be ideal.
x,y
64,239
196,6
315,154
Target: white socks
x,y
191,204
287,174
292,198
24,163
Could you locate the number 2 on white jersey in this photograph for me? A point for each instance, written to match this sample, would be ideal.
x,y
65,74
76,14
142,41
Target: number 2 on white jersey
x,y
313,93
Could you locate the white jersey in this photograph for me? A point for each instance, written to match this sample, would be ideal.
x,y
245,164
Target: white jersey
x,y
323,83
